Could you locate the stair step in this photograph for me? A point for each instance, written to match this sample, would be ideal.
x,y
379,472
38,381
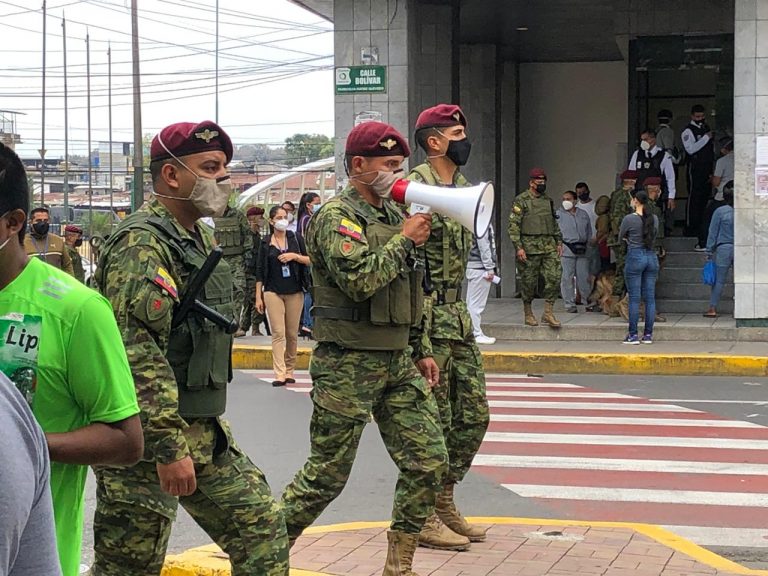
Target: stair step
x,y
680,243
671,305
688,291
686,275
685,259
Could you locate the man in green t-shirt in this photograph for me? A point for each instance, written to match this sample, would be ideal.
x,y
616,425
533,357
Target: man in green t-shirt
x,y
60,345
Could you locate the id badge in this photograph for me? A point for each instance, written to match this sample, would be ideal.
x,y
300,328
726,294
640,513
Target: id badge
x,y
286,271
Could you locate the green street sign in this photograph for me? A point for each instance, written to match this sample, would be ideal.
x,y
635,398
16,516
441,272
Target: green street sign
x,y
361,79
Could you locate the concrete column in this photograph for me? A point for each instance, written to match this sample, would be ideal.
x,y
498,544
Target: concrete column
x,y
750,123
361,24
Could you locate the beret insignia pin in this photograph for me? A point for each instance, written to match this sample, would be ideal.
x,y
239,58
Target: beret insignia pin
x,y
388,144
207,135
457,117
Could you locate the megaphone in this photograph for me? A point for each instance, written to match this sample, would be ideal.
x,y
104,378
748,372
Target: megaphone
x,y
471,207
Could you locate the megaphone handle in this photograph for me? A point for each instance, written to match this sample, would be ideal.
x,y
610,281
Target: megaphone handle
x,y
420,209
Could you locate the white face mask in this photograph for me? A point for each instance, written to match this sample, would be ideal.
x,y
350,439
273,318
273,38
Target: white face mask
x,y
382,183
281,225
567,205
645,145
289,217
210,195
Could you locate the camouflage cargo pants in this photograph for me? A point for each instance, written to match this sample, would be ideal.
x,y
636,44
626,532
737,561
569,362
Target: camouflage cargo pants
x,y
620,251
548,267
349,386
250,317
233,504
238,290
462,403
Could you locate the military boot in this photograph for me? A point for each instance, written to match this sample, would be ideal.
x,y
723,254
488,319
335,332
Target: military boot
x,y
400,550
437,535
452,518
549,316
530,319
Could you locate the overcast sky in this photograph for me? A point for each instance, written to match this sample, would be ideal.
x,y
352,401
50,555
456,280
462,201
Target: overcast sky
x,y
275,69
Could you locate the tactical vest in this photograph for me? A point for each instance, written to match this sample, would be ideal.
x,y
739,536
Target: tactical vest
x,y
707,154
229,237
650,167
199,352
539,219
465,242
381,323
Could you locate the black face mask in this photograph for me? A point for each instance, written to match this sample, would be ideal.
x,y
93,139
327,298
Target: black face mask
x,y
541,188
584,197
40,228
458,151
78,242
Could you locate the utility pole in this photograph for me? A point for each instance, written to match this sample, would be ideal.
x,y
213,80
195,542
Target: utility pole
x,y
217,62
137,198
66,123
90,160
109,106
41,151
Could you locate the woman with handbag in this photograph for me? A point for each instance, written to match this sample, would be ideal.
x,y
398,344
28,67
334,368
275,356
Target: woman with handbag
x,y
281,279
641,269
720,247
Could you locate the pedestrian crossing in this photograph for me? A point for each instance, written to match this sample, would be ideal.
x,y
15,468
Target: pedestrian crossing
x,y
603,456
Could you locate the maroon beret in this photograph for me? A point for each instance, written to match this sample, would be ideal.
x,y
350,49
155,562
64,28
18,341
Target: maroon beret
x,y
255,211
185,138
536,173
629,175
441,116
652,181
376,139
73,228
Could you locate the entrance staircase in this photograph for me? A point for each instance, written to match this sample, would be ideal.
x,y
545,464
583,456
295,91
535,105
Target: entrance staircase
x,y
679,289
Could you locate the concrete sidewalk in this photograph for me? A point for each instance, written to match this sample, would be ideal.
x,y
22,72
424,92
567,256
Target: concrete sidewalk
x,y
515,546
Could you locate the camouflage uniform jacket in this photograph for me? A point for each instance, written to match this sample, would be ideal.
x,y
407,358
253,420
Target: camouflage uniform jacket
x,y
446,254
337,245
77,263
545,241
251,257
658,243
142,279
620,207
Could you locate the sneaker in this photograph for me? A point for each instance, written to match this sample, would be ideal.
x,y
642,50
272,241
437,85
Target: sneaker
x,y
699,248
631,339
572,310
646,339
483,339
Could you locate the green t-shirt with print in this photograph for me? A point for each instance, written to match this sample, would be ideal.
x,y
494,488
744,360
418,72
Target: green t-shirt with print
x,y
60,345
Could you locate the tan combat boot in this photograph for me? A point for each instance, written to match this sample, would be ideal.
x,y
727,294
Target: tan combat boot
x,y
549,316
400,551
452,518
530,319
437,535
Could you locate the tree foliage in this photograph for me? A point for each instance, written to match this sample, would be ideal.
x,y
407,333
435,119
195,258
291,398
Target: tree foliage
x,y
303,148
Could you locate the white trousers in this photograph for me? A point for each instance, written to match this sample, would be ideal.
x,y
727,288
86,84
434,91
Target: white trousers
x,y
477,296
579,267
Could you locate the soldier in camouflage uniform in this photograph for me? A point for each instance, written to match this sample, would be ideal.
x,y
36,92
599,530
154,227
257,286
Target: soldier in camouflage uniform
x,y
534,231
73,239
181,375
652,186
449,341
620,207
367,298
251,318
233,236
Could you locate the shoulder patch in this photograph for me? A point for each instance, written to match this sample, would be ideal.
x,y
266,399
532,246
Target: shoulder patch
x,y
163,279
347,248
349,228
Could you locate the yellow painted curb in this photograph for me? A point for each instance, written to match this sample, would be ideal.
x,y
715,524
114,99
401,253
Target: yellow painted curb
x,y
260,357
210,561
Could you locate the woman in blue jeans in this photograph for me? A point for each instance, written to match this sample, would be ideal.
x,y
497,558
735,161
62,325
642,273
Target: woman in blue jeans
x,y
641,269
720,246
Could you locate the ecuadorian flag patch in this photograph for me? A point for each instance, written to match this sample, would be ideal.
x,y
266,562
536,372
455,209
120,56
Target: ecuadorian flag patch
x,y
349,228
164,280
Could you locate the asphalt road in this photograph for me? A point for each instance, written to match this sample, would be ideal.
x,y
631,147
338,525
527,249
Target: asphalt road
x,y
271,425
